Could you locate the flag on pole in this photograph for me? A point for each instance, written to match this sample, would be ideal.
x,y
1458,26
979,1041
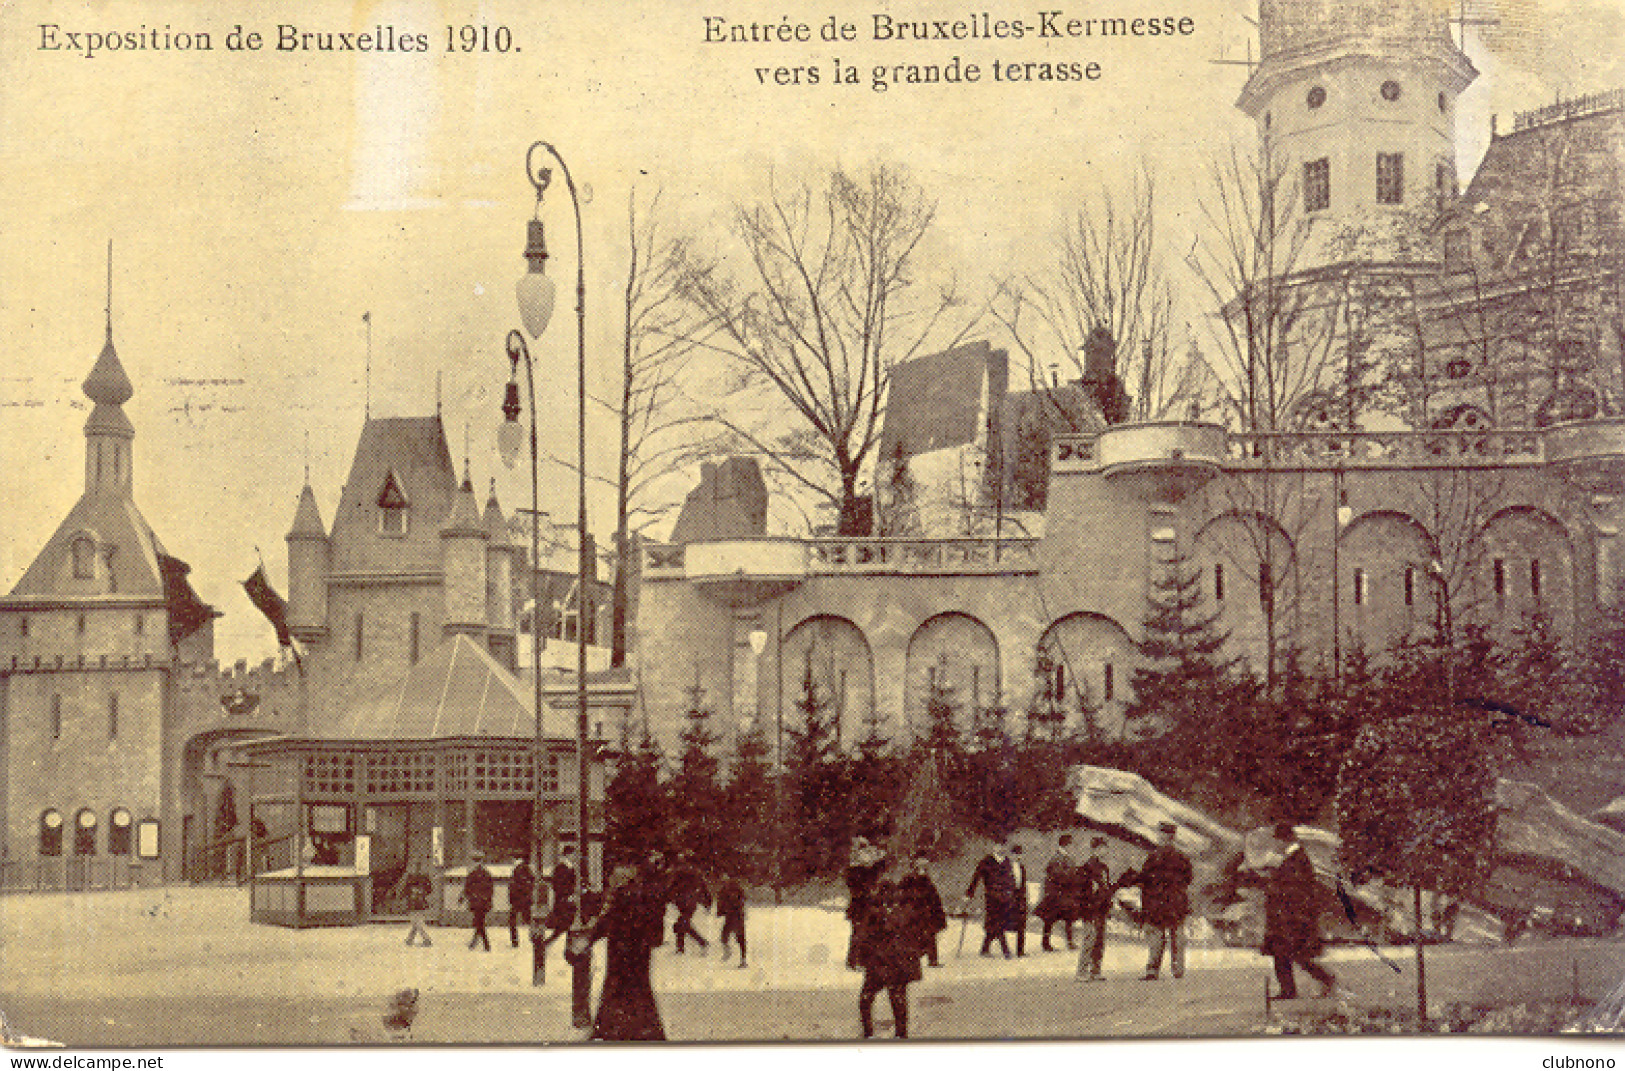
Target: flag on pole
x,y
187,612
269,603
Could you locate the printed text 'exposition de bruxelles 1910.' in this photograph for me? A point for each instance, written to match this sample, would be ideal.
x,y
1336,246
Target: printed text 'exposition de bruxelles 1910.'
x,y
979,26
284,37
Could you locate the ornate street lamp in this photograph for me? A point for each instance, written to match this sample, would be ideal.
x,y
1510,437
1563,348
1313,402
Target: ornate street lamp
x,y
536,294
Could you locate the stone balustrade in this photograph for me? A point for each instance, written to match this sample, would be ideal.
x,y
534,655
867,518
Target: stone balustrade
x,y
841,556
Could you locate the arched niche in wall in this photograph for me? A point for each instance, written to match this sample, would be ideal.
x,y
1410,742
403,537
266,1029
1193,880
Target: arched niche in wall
x,y
1082,664
1248,575
1521,564
958,654
833,654
1389,585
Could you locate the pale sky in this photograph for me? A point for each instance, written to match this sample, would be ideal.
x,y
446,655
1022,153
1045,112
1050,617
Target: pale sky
x,y
261,202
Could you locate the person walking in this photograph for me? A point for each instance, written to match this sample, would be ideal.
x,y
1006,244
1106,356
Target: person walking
x,y
478,891
1292,919
1003,880
626,1004
1058,902
1164,880
521,891
561,912
888,952
688,893
925,906
863,868
731,910
417,890
1094,892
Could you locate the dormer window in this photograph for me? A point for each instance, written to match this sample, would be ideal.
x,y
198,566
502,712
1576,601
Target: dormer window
x,y
84,557
392,508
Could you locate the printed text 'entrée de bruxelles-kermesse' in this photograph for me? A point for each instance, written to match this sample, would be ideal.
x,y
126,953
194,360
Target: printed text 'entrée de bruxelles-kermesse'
x,y
976,26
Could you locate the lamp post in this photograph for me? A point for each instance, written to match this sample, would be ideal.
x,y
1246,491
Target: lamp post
x,y
536,295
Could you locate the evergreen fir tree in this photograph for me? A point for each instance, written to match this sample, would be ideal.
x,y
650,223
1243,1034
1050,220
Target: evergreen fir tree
x,y
1192,703
636,817
695,798
820,816
747,804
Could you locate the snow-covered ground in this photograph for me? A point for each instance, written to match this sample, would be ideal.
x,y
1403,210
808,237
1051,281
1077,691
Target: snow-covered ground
x,y
199,940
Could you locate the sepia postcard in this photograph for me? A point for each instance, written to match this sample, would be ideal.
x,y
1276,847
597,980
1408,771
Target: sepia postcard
x,y
537,524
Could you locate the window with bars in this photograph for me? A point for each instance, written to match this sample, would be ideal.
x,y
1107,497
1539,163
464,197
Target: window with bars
x,y
50,832
397,772
1218,582
1410,585
1108,682
1360,592
1499,568
502,771
1534,579
112,717
330,774
1390,178
56,717
1317,185
84,832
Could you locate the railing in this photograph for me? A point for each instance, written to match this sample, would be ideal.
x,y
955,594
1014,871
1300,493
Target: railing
x,y
1383,449
76,873
1574,108
922,556
926,557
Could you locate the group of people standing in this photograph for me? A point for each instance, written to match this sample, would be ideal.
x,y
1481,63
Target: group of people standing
x,y
896,922
479,892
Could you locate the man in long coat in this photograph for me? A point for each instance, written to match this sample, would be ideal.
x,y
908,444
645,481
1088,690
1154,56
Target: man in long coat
x,y
521,891
1059,901
1164,880
1292,918
478,891
1095,891
887,949
925,903
1004,905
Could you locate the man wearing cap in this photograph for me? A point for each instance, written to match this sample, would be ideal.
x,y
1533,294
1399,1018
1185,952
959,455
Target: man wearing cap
x,y
1094,904
1164,880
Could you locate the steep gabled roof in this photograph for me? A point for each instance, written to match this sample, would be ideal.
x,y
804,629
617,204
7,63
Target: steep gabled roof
x,y
414,452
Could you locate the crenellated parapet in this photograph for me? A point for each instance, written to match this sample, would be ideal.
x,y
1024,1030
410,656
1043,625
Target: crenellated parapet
x,y
209,695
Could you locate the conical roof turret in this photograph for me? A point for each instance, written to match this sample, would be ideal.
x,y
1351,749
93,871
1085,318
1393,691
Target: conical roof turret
x,y
495,524
465,512
307,520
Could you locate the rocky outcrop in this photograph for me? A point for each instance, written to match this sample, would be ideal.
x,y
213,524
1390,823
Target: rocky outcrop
x,y
1554,870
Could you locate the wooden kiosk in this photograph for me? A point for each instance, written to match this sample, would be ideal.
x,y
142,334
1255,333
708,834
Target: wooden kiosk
x,y
420,780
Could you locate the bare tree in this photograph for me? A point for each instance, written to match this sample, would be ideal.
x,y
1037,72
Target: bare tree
x,y
831,300
1106,272
661,428
1275,326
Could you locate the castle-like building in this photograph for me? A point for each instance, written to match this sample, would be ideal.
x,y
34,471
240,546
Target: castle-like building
x,y
1488,491
129,755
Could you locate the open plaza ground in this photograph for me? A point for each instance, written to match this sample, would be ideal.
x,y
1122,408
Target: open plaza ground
x,y
183,966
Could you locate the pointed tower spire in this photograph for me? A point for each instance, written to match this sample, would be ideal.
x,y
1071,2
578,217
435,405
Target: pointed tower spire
x,y
108,432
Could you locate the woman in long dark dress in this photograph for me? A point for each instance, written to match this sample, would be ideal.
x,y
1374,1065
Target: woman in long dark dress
x,y
626,1005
